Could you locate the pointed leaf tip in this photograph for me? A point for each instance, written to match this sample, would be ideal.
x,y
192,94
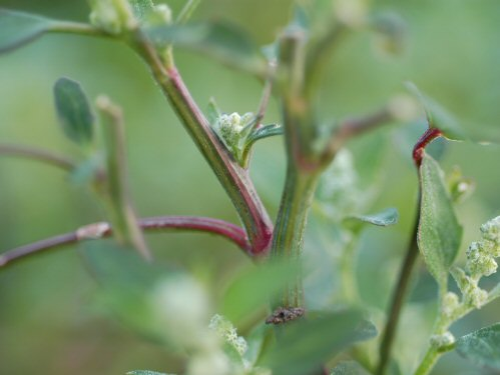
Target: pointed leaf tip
x,y
389,216
74,111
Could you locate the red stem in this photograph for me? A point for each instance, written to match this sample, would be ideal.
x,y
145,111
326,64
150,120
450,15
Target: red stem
x,y
424,140
101,230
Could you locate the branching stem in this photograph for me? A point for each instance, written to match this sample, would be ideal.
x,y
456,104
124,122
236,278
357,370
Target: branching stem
x,y
102,230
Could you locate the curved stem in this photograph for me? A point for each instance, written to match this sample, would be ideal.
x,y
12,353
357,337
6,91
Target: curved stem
x,y
39,155
235,179
102,230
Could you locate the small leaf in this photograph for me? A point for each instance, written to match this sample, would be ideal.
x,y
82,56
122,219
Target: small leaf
x,y
311,342
146,372
389,216
349,368
17,28
439,233
438,117
74,111
482,347
253,289
264,132
219,40
213,111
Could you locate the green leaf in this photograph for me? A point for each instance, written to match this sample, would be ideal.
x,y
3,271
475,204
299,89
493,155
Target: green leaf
x,y
349,368
17,29
311,342
213,111
145,372
74,112
439,233
264,132
389,216
482,347
253,289
219,40
438,117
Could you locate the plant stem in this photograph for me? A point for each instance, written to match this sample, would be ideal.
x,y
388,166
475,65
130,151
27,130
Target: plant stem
x,y
116,195
38,154
408,263
288,236
398,297
235,180
68,27
102,230
430,359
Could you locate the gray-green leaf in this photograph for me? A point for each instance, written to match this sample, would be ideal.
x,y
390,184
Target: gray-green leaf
x,y
389,216
311,342
145,372
439,233
349,368
482,347
219,40
439,117
17,28
73,110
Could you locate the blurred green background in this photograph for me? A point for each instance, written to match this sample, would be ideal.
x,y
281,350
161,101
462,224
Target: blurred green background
x,y
48,321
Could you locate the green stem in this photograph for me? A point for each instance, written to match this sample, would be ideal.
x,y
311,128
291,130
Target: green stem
x,y
116,195
288,236
348,273
398,298
234,179
430,359
67,27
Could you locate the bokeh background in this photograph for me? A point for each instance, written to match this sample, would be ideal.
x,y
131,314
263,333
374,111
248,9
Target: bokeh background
x,y
49,323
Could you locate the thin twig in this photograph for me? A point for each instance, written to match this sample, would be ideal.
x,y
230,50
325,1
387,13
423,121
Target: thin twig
x,y
352,127
102,230
40,155
398,297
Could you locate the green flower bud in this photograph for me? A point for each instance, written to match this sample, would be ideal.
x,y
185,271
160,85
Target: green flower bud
x,y
442,340
491,231
233,130
225,329
479,260
450,304
105,16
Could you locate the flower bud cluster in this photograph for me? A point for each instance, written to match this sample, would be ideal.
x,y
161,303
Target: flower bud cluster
x,y
233,130
481,255
480,262
443,340
225,329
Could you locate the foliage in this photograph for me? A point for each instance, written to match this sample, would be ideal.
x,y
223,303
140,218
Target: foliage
x,y
271,316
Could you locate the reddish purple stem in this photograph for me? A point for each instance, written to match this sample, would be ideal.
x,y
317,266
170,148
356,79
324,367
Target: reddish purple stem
x,y
424,140
189,223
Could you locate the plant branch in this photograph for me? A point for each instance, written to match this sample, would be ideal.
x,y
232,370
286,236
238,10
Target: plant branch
x,y
117,196
102,230
234,179
398,297
68,27
39,155
350,128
